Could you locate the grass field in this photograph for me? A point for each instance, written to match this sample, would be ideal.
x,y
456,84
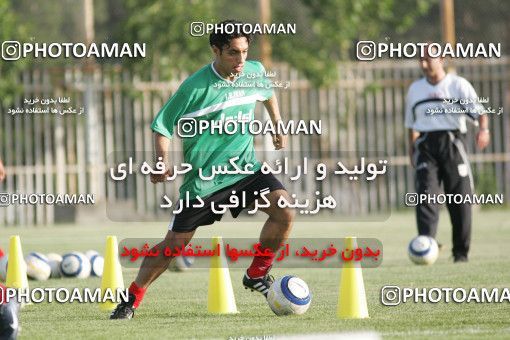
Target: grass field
x,y
176,305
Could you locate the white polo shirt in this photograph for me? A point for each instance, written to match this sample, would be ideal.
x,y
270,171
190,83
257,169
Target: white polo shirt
x,y
443,106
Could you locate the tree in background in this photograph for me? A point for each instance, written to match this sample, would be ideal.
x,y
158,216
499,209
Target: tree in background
x,y
165,27
328,30
51,20
475,21
11,28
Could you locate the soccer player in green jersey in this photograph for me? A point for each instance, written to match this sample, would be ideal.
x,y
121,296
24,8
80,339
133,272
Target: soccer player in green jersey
x,y
228,88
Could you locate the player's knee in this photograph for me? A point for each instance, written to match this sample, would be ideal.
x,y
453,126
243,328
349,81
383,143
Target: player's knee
x,y
284,216
173,239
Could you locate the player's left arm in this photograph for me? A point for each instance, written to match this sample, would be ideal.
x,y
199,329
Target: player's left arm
x,y
271,105
483,136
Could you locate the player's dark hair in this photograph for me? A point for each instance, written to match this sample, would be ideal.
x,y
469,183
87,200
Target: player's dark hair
x,y
222,39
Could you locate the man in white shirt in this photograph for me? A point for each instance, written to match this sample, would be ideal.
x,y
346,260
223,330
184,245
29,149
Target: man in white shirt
x,y
437,107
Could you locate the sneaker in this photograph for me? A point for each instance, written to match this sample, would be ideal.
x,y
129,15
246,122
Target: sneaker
x,y
9,320
460,258
124,310
261,285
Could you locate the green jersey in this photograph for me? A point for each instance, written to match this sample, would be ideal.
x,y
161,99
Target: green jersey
x,y
205,95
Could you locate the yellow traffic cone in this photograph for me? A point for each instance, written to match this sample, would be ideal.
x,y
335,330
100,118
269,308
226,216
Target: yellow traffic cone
x,y
352,301
220,296
16,267
112,273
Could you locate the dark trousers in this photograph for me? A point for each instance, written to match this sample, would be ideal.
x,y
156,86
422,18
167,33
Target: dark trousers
x,y
440,159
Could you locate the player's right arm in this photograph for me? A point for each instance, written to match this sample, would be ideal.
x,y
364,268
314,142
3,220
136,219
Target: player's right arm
x,y
409,122
161,144
164,124
413,136
2,171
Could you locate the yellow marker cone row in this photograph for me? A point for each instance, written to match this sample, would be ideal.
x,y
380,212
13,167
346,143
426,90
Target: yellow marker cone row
x,y
220,296
112,273
352,301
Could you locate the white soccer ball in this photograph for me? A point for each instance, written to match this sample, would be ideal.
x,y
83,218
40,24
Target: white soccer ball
x,y
289,295
55,260
96,262
91,253
181,263
75,264
423,250
97,265
38,267
3,267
